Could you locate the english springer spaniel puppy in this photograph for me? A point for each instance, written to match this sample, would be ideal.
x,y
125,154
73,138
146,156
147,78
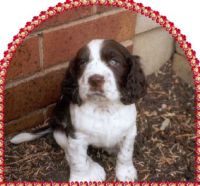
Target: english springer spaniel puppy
x,y
97,107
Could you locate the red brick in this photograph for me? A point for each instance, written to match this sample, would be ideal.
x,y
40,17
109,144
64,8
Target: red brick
x,y
25,60
32,120
66,17
33,95
61,45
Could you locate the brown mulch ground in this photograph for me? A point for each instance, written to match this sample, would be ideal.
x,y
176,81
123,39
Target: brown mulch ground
x,y
164,148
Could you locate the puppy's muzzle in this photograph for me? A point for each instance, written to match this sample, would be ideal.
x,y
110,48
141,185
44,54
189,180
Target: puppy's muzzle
x,y
96,83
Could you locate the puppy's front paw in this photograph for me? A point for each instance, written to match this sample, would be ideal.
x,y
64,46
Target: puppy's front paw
x,y
126,172
94,173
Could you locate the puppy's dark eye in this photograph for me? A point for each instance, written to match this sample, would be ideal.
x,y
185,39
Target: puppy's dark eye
x,y
113,62
83,61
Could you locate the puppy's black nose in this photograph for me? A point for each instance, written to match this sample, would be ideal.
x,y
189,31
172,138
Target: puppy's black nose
x,y
96,82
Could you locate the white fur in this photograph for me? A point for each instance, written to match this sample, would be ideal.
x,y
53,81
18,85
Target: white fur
x,y
97,66
93,172
101,124
125,169
82,167
106,125
61,139
25,136
22,137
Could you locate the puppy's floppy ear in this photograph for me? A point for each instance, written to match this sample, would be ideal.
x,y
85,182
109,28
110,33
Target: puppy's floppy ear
x,y
135,85
70,88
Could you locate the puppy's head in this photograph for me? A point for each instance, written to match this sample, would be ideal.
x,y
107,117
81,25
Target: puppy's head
x,y
104,70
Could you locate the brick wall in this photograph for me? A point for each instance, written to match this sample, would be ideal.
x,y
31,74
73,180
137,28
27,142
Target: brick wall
x,y
38,67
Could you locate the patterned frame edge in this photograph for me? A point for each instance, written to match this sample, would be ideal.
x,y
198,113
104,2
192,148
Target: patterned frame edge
x,y
129,5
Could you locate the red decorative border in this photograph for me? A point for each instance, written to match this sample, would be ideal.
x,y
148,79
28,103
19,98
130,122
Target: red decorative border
x,y
127,4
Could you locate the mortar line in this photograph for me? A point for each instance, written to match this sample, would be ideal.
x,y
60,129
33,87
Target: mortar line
x,y
77,22
36,75
40,110
41,52
94,9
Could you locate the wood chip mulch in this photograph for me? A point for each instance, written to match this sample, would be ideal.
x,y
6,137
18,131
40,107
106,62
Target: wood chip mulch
x,y
164,147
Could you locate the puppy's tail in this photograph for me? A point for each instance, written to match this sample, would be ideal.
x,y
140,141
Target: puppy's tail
x,y
25,136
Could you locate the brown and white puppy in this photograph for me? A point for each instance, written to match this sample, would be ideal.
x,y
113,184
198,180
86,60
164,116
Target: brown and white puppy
x,y
97,107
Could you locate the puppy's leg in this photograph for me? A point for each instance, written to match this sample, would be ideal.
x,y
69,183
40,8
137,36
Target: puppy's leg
x,y
82,167
125,170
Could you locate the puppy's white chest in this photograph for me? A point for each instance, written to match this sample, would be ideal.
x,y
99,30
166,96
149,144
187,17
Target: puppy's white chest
x,y
103,126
